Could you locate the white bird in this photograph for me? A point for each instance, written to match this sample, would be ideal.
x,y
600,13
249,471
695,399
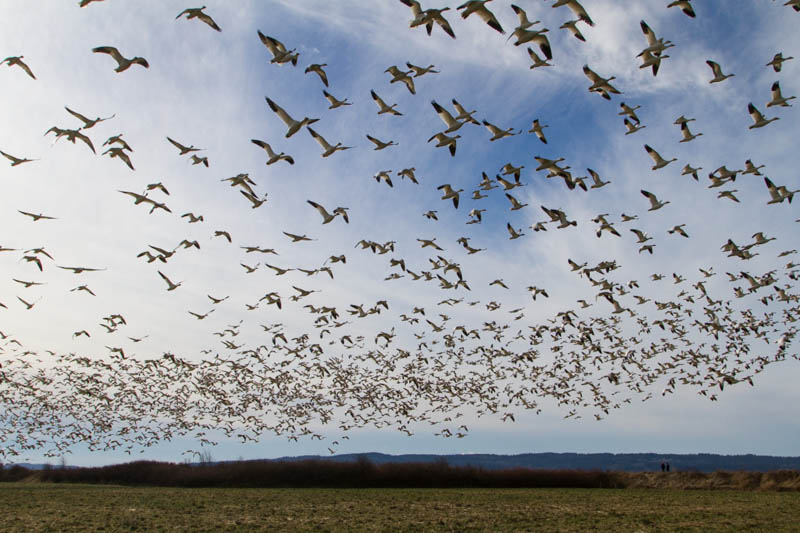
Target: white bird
x,y
451,123
537,128
402,76
463,114
751,168
600,84
684,6
687,134
445,140
335,102
327,148
777,61
659,161
632,128
327,217
629,111
272,156
479,8
537,61
778,98
279,52
499,133
382,107
717,70
170,285
293,125
515,233
654,202
448,193
576,8
197,12
515,204
759,121
379,144
689,170
123,63
421,71
317,69
571,25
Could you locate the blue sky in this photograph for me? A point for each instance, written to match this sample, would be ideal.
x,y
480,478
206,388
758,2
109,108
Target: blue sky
x,y
208,89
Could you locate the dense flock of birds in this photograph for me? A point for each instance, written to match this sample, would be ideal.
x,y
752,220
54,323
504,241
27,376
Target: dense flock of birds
x,y
619,344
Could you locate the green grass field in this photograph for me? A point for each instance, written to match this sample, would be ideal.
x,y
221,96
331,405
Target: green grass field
x,y
51,507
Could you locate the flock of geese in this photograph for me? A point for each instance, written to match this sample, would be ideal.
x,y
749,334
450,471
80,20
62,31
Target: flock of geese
x,y
625,341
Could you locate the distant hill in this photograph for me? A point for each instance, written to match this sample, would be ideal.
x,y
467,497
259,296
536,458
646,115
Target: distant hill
x,y
624,462
621,462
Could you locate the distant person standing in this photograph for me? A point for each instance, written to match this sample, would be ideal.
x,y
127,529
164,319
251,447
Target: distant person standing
x,y
667,467
663,467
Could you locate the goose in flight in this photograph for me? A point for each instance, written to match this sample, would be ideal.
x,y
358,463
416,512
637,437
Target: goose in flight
x,y
279,52
272,156
197,160
427,17
327,148
599,84
717,70
537,61
16,160
479,8
571,25
383,175
382,107
729,195
297,238
197,12
379,144
335,102
408,173
659,161
687,134
629,111
451,123
448,193
81,270
117,139
293,125
778,98
463,114
632,127
683,5
327,217
597,182
778,193
170,285
576,8
499,133
317,69
402,76
36,217
118,152
71,136
183,149
17,60
421,71
445,140
537,128
759,121
514,233
515,204
688,170
751,168
679,230
87,122
654,202
777,61
123,63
